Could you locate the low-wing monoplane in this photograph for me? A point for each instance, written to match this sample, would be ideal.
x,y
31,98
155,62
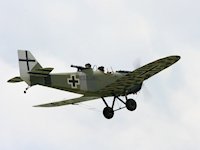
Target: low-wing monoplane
x,y
92,84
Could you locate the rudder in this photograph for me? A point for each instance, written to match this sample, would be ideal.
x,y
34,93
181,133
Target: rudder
x,y
27,63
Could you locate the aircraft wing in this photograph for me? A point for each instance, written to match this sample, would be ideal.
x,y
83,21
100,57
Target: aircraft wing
x,y
68,102
15,80
139,75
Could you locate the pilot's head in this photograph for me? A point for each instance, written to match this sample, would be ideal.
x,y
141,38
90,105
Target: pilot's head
x,y
101,68
88,65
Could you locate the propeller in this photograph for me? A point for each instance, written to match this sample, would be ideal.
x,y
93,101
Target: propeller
x,y
136,65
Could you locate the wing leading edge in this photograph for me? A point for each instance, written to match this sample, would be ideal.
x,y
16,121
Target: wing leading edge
x,y
121,85
68,102
139,75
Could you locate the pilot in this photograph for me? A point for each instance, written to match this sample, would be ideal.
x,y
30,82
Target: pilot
x,y
101,68
88,66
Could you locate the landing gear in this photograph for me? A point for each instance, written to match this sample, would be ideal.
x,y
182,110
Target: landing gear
x,y
131,104
108,112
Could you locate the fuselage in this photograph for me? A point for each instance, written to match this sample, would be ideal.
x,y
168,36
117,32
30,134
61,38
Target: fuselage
x,y
92,84
87,82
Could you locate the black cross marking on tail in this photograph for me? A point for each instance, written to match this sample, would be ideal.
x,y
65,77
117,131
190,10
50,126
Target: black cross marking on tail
x,y
73,81
27,60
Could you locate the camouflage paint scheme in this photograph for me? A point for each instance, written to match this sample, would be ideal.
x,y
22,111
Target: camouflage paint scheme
x,y
92,84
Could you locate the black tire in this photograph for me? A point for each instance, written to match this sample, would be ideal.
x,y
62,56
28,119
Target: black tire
x,y
131,104
108,112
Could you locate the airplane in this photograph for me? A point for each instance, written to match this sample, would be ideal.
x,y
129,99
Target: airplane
x,y
91,83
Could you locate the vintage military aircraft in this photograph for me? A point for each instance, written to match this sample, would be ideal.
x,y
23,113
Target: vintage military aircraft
x,y
92,84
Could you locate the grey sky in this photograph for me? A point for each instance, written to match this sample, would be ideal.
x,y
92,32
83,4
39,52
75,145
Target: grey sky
x,y
113,33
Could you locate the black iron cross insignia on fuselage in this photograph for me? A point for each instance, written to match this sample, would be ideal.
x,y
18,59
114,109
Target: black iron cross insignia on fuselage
x,y
73,81
27,60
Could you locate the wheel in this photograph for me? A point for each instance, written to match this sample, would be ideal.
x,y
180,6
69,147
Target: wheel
x,y
131,104
108,112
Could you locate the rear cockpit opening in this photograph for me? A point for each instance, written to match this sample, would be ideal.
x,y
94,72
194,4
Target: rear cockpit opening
x,y
101,68
94,68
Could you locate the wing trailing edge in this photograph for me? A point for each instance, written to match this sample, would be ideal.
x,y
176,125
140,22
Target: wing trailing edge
x,y
68,102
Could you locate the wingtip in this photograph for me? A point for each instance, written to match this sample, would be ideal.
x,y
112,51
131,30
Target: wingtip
x,y
39,106
44,105
178,57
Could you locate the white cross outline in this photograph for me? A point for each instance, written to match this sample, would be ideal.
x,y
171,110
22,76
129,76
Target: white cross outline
x,y
73,81
27,60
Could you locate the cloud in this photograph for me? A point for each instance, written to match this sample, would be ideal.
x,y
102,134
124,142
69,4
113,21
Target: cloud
x,y
62,127
109,33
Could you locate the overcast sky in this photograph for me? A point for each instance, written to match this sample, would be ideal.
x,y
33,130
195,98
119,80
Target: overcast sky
x,y
113,33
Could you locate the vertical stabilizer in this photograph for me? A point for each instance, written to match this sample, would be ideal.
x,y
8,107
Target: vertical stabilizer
x,y
27,63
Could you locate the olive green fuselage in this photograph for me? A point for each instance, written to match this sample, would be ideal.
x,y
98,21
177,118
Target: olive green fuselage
x,y
87,83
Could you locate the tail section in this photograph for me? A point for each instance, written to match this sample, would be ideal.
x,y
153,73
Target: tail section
x,y
27,64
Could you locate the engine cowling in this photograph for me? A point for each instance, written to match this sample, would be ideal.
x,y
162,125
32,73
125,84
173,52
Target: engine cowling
x,y
134,89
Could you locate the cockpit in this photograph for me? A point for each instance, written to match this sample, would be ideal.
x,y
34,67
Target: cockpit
x,y
88,66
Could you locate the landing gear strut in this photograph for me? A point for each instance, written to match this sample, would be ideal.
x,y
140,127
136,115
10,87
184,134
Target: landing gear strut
x,y
108,112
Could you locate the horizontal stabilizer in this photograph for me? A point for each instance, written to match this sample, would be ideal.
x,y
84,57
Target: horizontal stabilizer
x,y
68,102
41,71
15,80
